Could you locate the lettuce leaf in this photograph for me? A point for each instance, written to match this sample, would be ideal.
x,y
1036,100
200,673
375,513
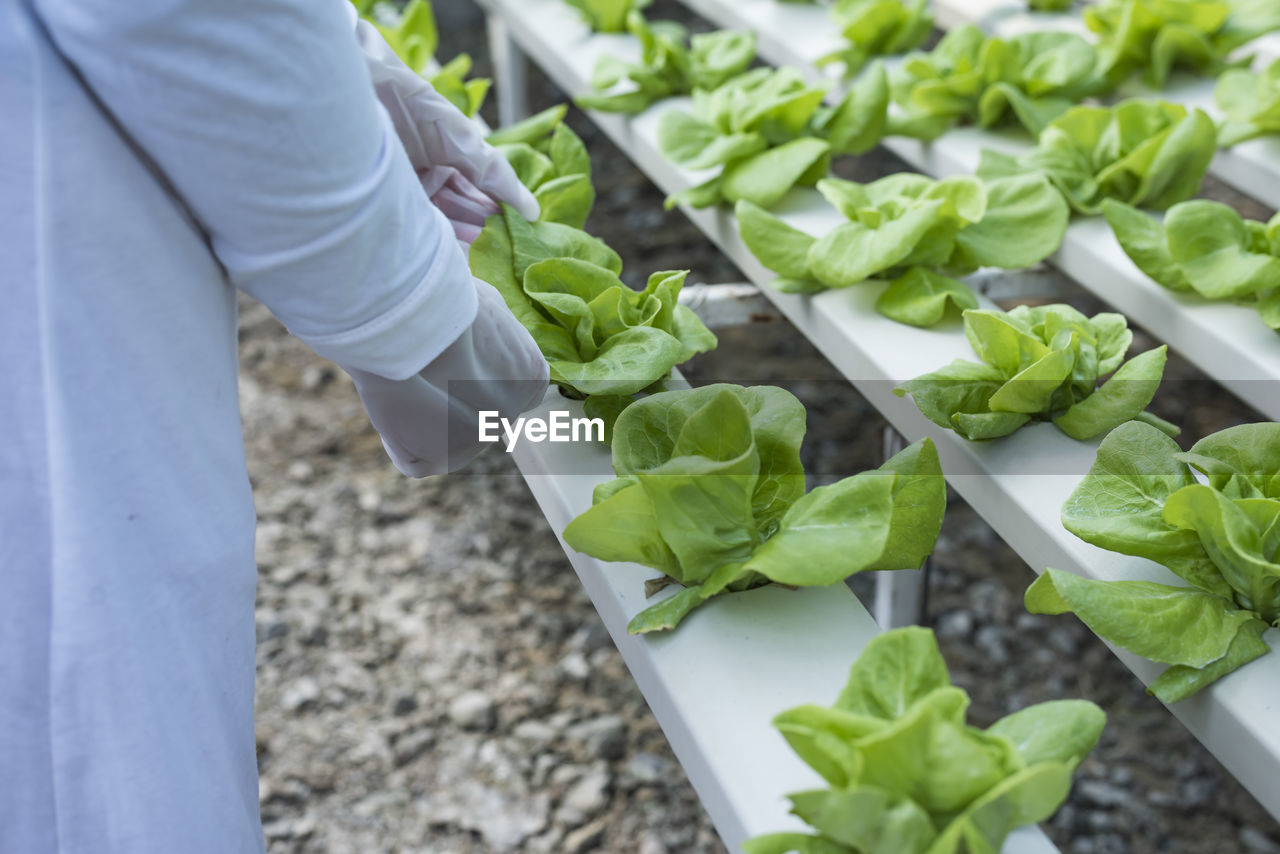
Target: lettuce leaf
x,y
667,67
1141,498
908,776
551,160
1250,103
599,336
1157,36
915,233
607,16
1205,247
875,28
1027,79
1145,153
1040,363
768,131
710,492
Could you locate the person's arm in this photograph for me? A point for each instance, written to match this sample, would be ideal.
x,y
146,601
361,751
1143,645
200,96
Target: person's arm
x,y
261,115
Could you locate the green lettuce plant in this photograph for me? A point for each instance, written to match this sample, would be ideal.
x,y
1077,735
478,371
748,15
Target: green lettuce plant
x,y
1050,5
1041,363
607,16
1207,248
768,131
412,34
1221,536
710,492
599,336
451,81
1156,36
667,67
413,37
1029,79
551,160
907,775
1148,153
915,233
1250,102
875,28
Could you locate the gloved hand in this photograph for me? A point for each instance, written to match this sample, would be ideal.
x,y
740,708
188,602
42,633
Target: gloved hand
x,y
434,132
463,205
429,423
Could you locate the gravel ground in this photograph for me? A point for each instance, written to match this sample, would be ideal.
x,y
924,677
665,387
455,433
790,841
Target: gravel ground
x,y
433,679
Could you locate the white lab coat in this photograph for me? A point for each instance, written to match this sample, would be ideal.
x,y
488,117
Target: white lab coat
x,y
155,155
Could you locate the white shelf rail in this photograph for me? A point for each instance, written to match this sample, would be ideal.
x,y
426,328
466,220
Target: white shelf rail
x,y
1017,484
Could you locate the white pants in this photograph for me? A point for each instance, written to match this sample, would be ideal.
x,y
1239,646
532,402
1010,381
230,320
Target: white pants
x,y
155,156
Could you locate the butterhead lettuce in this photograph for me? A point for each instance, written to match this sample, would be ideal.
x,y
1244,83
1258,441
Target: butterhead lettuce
x,y
607,16
1250,102
768,131
876,28
710,492
1028,79
1157,36
1041,363
1208,248
550,159
1147,153
907,775
667,67
915,233
599,336
1220,533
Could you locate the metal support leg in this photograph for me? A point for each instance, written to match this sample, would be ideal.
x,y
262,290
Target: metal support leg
x,y
902,596
510,67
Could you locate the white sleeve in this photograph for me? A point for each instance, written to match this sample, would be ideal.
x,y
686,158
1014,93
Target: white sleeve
x,y
262,116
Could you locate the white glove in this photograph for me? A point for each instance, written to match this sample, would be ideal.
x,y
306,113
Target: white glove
x,y
434,132
463,205
429,423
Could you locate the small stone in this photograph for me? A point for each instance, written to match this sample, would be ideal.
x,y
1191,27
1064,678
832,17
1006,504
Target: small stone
x,y
301,470
575,666
543,766
585,798
1064,641
1083,845
535,734
547,842
413,744
301,694
316,377
473,710
991,641
1102,794
563,775
650,844
585,838
602,738
955,625
405,705
645,769
1198,791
